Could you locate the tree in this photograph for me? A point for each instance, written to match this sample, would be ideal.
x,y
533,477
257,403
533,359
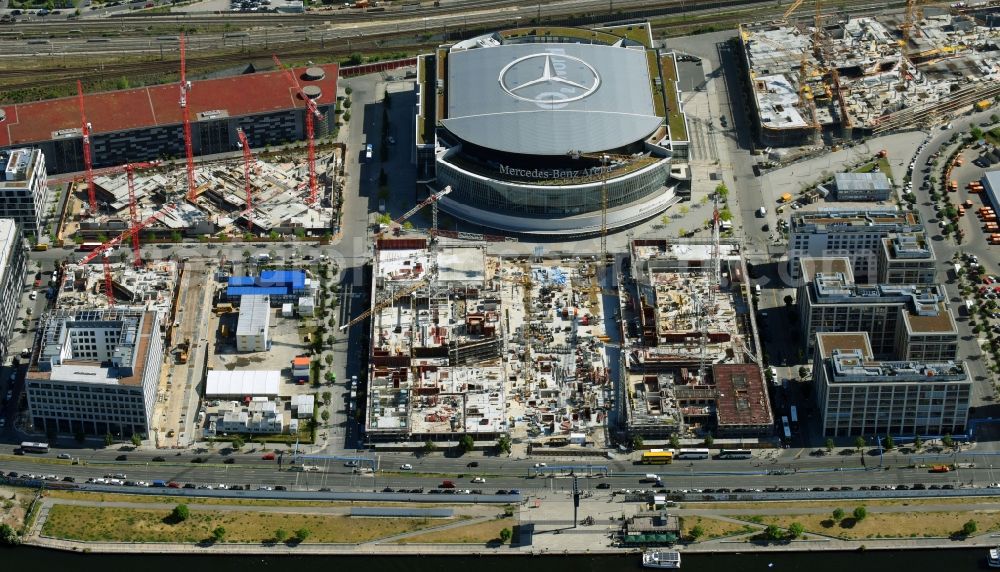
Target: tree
x,y
723,191
709,440
238,443
218,534
803,372
772,532
327,397
637,441
347,103
325,415
136,439
969,528
346,116
505,535
675,442
8,536
918,443
696,532
429,446
280,535
302,534
725,214
829,445
682,232
838,514
796,529
859,443
180,513
684,210
108,439
976,132
328,359
947,441
503,444
466,443
889,443
860,513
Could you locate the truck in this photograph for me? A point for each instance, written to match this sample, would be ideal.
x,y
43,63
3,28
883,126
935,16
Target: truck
x,y
983,105
160,484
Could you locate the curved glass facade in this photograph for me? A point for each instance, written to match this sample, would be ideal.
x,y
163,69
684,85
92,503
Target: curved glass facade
x,y
548,200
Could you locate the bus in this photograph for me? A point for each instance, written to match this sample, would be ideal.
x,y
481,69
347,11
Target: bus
x,y
89,246
785,428
794,413
657,458
31,447
735,454
693,453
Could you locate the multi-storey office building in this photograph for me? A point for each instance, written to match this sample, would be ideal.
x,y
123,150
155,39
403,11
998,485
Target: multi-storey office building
x,y
909,321
95,371
906,258
858,395
23,187
852,233
12,267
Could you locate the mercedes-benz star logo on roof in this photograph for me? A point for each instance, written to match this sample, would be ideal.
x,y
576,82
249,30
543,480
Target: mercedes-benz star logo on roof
x,y
560,80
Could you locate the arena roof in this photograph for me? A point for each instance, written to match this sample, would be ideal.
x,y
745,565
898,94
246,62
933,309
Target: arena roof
x,y
550,99
123,110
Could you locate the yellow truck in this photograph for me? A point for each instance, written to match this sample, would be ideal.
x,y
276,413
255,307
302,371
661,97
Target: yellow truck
x,y
983,105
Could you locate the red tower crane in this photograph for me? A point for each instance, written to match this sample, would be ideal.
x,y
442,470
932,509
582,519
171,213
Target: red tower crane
x,y
247,161
311,112
105,249
85,127
129,170
185,88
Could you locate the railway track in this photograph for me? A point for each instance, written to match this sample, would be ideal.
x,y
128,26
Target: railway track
x,y
153,67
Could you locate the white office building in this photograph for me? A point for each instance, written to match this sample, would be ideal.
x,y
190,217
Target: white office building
x,y
254,321
12,268
23,188
95,372
852,233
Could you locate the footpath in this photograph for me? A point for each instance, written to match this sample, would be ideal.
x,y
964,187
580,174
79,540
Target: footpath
x,y
545,527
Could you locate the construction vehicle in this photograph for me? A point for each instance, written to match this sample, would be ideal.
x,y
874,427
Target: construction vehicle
x,y
983,105
183,348
223,308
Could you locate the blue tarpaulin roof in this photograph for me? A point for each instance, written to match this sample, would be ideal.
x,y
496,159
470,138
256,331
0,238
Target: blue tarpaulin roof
x,y
295,278
257,291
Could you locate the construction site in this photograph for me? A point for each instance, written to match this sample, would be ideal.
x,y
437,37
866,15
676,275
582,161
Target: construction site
x,y
468,343
691,361
286,193
818,80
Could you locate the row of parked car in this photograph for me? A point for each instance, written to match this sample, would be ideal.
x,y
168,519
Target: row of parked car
x,y
449,491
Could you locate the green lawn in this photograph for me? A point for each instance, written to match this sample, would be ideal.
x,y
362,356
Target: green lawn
x,y
90,523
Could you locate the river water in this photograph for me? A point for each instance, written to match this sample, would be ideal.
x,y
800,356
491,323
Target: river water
x,y
943,560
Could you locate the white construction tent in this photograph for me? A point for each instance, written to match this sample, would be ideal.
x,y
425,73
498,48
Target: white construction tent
x,y
240,384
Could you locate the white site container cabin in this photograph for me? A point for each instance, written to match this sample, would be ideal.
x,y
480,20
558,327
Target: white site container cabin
x,y
287,310
578,438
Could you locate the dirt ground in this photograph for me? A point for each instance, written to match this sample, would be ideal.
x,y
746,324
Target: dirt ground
x,y
14,507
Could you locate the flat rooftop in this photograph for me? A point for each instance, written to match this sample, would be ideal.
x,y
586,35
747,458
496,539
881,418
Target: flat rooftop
x,y
145,107
741,395
829,342
854,220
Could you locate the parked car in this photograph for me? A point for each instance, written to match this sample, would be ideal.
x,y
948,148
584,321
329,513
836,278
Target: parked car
x,y
64,456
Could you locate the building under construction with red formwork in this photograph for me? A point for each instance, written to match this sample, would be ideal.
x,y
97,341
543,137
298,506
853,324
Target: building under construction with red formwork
x,y
146,124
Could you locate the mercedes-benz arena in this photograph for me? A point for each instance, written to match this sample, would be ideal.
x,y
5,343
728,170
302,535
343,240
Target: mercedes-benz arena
x,y
528,127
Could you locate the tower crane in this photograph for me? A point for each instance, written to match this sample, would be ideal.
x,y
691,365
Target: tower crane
x,y
87,161
185,88
105,250
433,199
312,113
247,160
904,49
384,303
795,6
129,170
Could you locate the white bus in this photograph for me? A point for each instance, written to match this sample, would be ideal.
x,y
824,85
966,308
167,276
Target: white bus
x,y
692,454
794,418
784,427
735,454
